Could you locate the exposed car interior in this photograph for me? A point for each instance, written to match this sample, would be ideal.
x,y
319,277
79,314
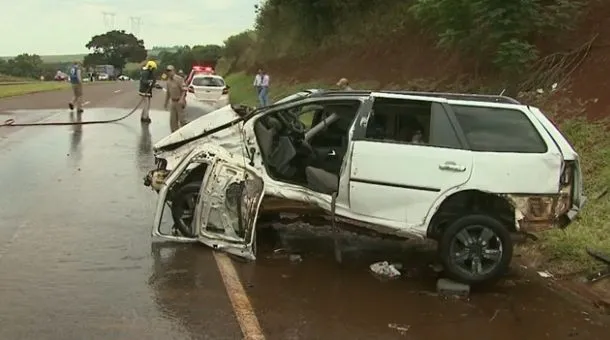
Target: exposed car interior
x,y
399,120
306,144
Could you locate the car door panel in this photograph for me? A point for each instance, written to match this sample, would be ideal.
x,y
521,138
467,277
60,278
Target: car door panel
x,y
517,172
401,181
226,213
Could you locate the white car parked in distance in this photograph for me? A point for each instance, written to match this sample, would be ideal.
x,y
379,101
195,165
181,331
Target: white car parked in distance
x,y
463,170
210,89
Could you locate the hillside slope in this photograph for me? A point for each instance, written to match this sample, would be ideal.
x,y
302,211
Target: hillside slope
x,y
409,56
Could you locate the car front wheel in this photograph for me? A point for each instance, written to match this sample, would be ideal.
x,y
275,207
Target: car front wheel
x,y
184,201
476,249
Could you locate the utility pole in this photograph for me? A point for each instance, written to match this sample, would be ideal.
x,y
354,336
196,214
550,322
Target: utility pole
x,y
136,23
109,20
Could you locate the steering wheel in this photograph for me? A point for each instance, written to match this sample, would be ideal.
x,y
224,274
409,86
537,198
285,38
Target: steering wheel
x,y
293,123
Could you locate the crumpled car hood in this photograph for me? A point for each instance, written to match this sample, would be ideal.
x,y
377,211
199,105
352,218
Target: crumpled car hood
x,y
198,126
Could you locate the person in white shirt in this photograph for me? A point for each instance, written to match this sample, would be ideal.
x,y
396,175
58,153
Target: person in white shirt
x,y
261,83
258,79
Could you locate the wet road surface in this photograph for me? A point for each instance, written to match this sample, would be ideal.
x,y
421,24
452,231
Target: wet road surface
x,y
77,260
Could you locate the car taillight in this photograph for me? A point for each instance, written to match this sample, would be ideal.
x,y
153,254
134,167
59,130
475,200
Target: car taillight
x,y
225,90
565,188
191,89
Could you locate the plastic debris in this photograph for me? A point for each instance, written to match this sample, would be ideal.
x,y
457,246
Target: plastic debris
x,y
295,258
385,269
545,274
402,329
449,288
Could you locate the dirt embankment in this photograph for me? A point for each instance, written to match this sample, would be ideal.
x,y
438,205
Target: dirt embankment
x,y
412,56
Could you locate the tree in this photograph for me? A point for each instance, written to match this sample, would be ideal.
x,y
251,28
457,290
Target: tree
x,y
24,65
115,48
503,32
185,57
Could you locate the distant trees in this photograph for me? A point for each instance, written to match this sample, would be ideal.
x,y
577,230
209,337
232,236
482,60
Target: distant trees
x,y
115,48
24,66
185,57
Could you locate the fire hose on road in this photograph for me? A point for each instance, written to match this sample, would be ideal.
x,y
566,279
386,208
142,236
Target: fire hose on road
x,y
11,122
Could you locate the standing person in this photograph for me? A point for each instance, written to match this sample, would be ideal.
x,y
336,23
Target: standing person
x,y
176,92
344,85
263,93
258,79
147,83
77,87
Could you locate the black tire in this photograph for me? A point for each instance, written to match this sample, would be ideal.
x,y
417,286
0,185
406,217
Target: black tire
x,y
182,200
493,265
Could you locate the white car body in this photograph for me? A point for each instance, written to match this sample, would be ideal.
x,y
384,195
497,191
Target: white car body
x,y
124,77
103,76
390,188
210,89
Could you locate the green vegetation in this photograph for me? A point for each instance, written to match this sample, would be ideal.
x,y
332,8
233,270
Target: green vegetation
x,y
62,58
11,79
21,89
184,57
562,250
115,48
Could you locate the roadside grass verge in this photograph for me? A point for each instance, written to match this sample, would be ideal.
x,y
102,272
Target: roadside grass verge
x,y
561,251
10,79
26,88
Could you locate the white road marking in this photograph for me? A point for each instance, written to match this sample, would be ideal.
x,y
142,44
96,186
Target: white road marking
x,y
117,91
86,103
248,322
4,249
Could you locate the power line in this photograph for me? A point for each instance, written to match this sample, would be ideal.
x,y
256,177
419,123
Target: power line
x,y
109,20
136,23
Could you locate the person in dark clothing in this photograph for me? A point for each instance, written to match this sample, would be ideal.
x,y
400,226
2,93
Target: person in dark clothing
x,y
147,83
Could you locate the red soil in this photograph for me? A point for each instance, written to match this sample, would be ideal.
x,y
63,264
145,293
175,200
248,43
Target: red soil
x,y
410,56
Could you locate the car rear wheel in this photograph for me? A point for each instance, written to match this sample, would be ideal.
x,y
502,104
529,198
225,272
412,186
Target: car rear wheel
x,y
476,249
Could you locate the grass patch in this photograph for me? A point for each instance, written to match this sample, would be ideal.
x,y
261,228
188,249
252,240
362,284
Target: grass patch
x,y
563,251
21,89
10,79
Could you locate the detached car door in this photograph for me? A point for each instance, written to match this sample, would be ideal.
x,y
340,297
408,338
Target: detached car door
x,y
405,155
227,208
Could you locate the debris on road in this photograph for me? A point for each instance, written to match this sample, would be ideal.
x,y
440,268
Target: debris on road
x,y
402,329
545,274
436,267
385,269
295,258
449,288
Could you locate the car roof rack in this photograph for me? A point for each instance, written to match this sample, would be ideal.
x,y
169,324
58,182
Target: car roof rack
x,y
450,96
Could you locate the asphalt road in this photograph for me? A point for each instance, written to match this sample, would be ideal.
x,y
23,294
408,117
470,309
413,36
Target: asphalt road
x,y
77,260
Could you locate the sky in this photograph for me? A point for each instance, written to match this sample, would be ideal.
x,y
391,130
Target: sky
x,y
53,27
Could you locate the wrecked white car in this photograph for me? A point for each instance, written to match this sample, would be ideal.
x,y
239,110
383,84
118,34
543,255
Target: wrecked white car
x,y
464,170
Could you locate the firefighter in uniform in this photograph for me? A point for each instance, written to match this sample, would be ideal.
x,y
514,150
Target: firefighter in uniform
x,y
147,83
176,92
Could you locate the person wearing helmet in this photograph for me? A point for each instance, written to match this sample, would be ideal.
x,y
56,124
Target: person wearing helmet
x,y
147,83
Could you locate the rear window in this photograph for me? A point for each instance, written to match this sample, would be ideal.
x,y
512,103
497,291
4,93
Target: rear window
x,y
498,130
208,81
